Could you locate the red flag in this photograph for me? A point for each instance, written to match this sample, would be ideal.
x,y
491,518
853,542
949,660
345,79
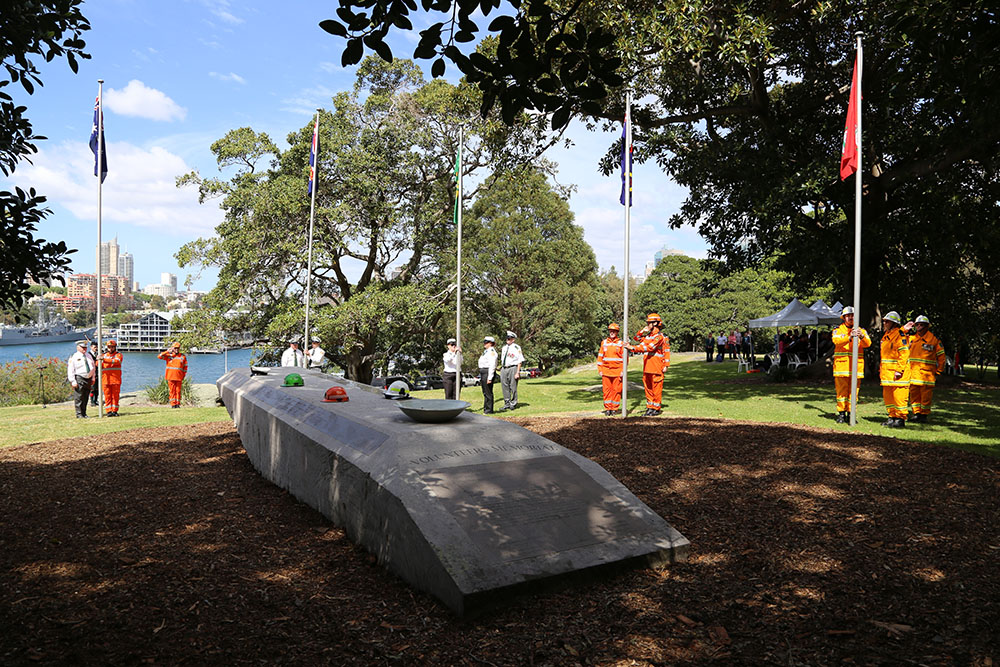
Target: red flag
x,y
849,157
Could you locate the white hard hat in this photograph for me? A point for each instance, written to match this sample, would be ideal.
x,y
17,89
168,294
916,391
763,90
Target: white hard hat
x,y
847,311
892,316
397,390
922,319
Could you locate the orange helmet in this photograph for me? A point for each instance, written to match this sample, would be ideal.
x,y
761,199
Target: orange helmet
x,y
175,344
653,317
112,342
613,327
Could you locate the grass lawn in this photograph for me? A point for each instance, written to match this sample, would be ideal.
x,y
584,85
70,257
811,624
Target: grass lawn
x,y
33,423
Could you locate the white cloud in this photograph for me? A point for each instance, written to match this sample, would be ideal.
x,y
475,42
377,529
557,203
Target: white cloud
x,y
227,17
139,190
136,99
307,101
330,68
232,76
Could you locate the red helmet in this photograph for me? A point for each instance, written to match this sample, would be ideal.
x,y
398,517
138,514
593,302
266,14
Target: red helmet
x,y
335,395
112,342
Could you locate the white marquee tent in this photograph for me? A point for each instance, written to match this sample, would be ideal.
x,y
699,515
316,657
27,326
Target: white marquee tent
x,y
796,314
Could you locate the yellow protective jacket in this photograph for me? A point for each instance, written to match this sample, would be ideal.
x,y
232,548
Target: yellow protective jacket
x,y
926,359
842,352
895,355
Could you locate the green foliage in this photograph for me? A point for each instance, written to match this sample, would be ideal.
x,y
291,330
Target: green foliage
x,y
160,392
82,318
115,320
50,29
528,269
34,380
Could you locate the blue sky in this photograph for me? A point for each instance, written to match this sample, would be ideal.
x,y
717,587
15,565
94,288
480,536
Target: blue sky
x,y
178,75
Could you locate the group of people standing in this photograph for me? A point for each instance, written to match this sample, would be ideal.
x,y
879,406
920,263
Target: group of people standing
x,y
315,357
655,348
736,344
508,361
83,365
911,359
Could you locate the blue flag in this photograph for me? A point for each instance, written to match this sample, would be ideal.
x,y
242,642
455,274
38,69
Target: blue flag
x,y
99,129
313,152
624,140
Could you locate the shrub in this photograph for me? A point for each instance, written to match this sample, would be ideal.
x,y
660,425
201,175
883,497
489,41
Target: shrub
x,y
34,380
160,392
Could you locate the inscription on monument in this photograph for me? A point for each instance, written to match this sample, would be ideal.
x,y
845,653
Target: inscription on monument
x,y
530,508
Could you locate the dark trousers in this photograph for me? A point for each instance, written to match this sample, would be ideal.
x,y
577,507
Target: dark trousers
x,y
93,392
484,374
82,392
708,353
450,382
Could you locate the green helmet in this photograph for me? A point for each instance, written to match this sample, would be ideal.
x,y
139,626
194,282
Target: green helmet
x,y
293,380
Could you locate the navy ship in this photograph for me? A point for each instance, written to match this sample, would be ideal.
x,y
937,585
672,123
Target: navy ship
x,y
47,328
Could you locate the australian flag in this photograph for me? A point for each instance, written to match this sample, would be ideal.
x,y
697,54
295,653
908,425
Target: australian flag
x,y
313,152
626,171
98,129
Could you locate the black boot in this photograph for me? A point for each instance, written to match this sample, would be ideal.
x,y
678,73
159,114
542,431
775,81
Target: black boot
x,y
841,418
890,422
900,422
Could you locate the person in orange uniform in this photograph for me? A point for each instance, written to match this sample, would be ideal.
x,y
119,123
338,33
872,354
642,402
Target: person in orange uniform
x,y
894,371
177,366
656,348
843,337
609,365
111,377
927,361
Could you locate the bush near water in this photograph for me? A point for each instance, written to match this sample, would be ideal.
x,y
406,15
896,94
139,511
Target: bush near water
x,y
160,392
34,380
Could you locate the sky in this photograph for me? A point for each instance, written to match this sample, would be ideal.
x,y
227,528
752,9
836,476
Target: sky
x,y
178,75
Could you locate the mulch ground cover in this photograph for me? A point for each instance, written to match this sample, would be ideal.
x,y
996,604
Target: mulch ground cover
x,y
808,547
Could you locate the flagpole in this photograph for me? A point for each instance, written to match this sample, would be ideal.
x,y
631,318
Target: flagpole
x,y
627,150
857,242
100,179
314,182
458,299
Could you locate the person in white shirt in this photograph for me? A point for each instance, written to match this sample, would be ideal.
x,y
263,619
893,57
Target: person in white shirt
x,y
510,370
292,356
452,368
80,369
487,369
316,354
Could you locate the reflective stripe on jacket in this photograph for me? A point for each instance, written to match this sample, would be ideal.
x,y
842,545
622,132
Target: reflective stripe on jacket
x,y
927,358
895,353
177,365
111,368
656,347
842,351
611,357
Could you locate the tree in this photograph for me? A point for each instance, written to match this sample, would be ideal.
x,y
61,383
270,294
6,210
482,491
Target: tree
x,y
382,249
50,29
744,104
529,269
157,302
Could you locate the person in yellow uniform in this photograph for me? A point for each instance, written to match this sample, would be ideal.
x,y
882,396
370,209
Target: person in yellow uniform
x,y
609,365
843,347
927,361
894,370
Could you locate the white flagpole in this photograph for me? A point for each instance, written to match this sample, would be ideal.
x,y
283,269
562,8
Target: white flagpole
x,y
857,245
100,174
627,148
458,299
312,214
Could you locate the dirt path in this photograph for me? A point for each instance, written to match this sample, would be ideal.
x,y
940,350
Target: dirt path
x,y
163,546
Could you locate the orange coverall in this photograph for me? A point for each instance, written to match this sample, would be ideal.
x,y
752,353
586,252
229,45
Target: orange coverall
x,y
656,347
927,361
111,380
177,365
609,365
842,351
895,354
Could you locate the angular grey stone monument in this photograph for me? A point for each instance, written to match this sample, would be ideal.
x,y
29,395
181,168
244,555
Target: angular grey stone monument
x,y
470,510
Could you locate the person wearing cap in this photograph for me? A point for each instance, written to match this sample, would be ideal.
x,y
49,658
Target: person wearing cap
x,y
609,364
487,370
111,377
511,359
316,355
844,338
452,367
656,348
927,361
293,355
80,369
894,370
177,366
94,387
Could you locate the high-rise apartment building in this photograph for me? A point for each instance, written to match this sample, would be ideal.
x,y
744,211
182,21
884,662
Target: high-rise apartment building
x,y
170,280
109,257
126,267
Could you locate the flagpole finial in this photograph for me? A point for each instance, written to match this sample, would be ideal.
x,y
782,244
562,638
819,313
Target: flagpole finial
x,y
100,81
859,33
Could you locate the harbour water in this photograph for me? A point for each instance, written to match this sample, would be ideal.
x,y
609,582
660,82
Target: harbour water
x,y
139,369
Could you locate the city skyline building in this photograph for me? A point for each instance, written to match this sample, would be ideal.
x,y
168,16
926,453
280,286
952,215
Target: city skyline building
x,y
126,267
110,251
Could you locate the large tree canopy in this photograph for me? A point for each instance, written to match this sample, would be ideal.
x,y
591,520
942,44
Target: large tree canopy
x,y
49,29
744,104
383,243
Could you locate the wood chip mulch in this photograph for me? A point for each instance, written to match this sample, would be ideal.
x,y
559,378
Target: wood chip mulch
x,y
808,547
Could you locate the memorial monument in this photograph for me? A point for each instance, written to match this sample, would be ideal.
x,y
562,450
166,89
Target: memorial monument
x,y
471,510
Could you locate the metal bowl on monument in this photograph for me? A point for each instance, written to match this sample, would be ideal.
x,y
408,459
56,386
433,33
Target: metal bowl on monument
x,y
433,410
